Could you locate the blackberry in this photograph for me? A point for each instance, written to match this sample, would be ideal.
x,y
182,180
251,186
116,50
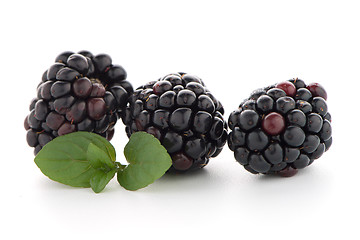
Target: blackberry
x,y
79,92
181,112
281,128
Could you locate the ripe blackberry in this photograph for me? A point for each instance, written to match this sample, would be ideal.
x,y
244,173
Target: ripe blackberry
x,y
79,92
181,112
281,128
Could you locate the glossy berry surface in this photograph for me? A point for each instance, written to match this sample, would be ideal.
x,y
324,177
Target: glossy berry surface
x,y
79,92
180,111
273,123
317,90
288,87
281,128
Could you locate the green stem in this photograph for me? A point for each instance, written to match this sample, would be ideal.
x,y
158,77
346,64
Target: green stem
x,y
120,166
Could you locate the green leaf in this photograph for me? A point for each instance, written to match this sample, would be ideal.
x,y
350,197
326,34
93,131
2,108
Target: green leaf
x,y
100,179
148,161
65,159
99,159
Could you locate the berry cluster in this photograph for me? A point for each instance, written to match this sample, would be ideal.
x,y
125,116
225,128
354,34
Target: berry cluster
x,y
180,111
281,128
79,92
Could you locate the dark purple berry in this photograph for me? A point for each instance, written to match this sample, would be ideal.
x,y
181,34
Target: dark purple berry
x,y
62,57
318,152
78,62
151,103
328,143
258,163
77,112
296,117
276,93
102,62
180,119
167,99
102,125
288,172
291,154
304,106
195,87
46,90
96,108
54,120
53,70
60,88
67,74
34,123
206,104
41,110
217,128
154,131
242,155
186,98
294,136
248,120
32,104
115,74
82,87
66,128
110,101
274,153
317,90
86,53
298,83
87,125
136,108
303,94
161,118
179,111
287,87
237,137
326,131
311,143
264,103
319,106
142,120
44,138
249,105
202,122
173,142
161,87
314,123
273,124
301,162
97,90
285,104
195,148
295,132
120,95
32,138
181,162
80,92
63,104
257,140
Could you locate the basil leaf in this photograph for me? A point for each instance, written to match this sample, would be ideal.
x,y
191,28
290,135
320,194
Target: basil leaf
x,y
148,161
99,159
65,159
100,179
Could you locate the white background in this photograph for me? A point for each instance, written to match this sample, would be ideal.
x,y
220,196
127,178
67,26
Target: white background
x,y
235,47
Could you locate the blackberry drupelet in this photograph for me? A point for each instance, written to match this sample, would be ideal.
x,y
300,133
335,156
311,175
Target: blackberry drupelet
x,y
79,92
281,128
181,112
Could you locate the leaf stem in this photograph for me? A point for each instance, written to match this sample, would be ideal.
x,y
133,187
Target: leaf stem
x,y
120,166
